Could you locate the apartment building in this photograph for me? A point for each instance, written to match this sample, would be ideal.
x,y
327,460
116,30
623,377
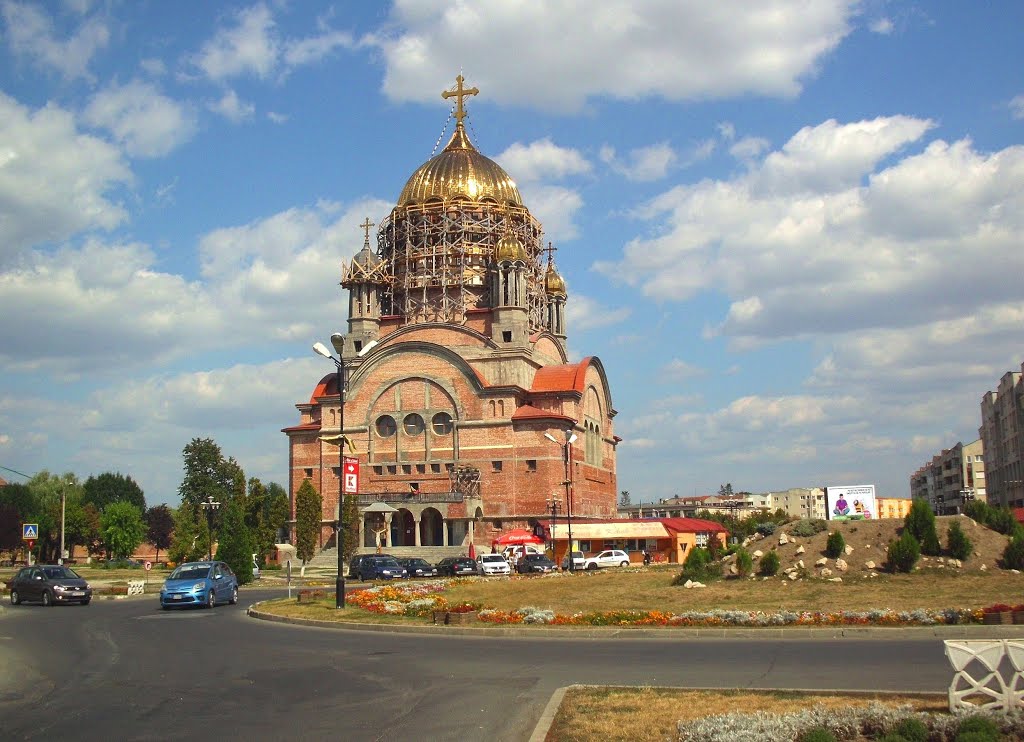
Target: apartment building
x,y
952,478
1002,435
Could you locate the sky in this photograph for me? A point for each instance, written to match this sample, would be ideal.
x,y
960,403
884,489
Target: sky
x,y
790,230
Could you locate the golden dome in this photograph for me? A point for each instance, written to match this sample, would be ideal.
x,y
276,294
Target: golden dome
x,y
460,171
510,249
553,282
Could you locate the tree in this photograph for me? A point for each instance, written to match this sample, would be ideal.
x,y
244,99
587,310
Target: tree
x,y
624,500
904,552
92,529
113,487
920,521
1013,554
188,541
744,562
234,543
159,527
308,508
350,524
835,545
725,490
208,473
959,545
123,529
769,566
10,528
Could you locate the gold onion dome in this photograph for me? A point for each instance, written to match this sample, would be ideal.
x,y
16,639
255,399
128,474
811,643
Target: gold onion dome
x,y
553,282
510,249
460,171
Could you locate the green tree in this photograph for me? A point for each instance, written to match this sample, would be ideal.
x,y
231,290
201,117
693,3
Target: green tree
x,y
904,552
208,473
624,499
769,566
308,510
350,522
113,487
835,545
188,541
920,521
47,490
744,562
960,547
234,543
725,490
1013,554
159,527
92,530
978,511
1002,520
123,529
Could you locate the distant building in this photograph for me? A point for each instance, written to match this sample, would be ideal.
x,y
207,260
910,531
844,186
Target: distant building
x,y
1002,436
740,504
799,502
893,507
951,479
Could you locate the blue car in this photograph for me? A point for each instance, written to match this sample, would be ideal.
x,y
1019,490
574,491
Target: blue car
x,y
203,584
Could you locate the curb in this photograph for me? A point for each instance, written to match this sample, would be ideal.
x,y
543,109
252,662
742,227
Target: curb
x,y
970,631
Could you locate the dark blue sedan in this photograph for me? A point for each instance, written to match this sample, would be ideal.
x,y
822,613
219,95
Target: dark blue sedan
x,y
199,584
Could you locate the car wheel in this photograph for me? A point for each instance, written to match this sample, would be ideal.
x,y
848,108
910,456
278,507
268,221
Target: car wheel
x,y
592,566
234,595
624,564
47,600
15,598
211,600
86,601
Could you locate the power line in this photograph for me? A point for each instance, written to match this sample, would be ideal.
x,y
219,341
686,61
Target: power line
x,y
15,471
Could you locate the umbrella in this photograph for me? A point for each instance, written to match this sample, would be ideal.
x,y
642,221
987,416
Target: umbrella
x,y
518,536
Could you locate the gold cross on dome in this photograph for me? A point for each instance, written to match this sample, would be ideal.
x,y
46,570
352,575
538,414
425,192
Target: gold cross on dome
x,y
366,227
459,92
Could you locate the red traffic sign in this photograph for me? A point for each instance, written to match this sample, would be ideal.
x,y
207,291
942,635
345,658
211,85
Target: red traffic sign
x,y
149,566
351,476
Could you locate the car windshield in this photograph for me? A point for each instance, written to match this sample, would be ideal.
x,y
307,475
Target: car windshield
x,y
60,573
418,563
492,558
190,572
386,563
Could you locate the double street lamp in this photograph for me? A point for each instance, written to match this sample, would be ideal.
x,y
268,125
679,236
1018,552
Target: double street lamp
x,y
339,365
570,438
209,505
554,507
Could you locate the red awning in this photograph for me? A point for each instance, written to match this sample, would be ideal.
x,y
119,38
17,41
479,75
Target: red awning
x,y
519,536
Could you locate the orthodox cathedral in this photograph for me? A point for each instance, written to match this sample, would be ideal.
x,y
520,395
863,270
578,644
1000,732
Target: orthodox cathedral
x,y
460,403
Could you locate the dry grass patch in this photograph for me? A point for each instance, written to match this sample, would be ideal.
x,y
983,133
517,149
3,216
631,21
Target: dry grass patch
x,y
627,714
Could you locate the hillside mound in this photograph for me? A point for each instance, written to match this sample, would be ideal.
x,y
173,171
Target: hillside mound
x,y
868,540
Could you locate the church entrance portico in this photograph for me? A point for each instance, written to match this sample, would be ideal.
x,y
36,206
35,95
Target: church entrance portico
x,y
432,529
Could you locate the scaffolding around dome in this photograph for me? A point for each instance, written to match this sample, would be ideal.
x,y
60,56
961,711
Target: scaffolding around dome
x,y
441,254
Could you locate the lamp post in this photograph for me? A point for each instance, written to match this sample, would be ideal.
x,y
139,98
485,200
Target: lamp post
x,y
339,532
555,507
209,505
570,438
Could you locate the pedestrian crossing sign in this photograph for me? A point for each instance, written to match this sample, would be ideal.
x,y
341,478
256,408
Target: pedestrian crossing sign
x,y
29,531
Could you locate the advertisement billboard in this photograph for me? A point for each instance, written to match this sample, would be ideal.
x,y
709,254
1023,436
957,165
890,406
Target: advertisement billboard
x,y
851,503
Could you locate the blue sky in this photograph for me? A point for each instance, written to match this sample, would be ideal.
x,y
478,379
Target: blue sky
x,y
790,230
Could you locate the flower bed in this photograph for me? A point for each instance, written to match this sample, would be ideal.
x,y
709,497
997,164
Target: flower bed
x,y
424,600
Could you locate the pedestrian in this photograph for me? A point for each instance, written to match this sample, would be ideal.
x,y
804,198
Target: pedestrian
x,y
647,557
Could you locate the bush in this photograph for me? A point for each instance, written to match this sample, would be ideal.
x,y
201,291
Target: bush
x,y
807,527
765,529
769,566
698,567
817,734
1002,520
978,511
920,521
1013,554
744,562
904,552
959,545
835,546
977,729
911,729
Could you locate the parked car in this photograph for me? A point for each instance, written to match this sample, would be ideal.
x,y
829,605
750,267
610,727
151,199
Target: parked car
x,y
494,564
578,559
50,584
607,558
535,563
378,567
457,566
418,567
199,584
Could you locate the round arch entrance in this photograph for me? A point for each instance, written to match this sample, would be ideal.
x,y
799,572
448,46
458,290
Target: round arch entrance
x,y
431,528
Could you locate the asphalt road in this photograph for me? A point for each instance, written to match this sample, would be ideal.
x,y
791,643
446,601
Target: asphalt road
x,y
126,670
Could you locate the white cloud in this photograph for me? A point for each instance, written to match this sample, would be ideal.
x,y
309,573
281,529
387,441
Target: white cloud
x,y
1017,106
679,370
231,107
540,160
555,207
678,51
54,181
645,163
313,49
749,148
32,36
145,122
883,26
277,118
584,313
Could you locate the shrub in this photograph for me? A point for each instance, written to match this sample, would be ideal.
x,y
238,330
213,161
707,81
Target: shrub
x,y
835,546
806,527
920,521
904,552
769,566
744,562
912,729
977,729
817,734
765,529
698,567
1002,520
959,545
1013,554
978,511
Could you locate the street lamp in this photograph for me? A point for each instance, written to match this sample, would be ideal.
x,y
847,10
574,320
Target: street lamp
x,y
209,505
339,537
555,507
570,438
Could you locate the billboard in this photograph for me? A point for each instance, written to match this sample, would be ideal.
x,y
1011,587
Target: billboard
x,y
851,503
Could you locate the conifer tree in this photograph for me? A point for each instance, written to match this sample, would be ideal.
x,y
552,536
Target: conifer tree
x,y
920,521
308,508
234,543
959,545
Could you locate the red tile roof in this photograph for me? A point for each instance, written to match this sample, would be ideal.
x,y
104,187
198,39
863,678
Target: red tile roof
x,y
300,428
567,377
327,386
529,412
693,525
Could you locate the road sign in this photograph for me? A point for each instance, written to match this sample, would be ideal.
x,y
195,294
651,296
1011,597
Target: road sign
x,y
29,531
351,474
149,566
